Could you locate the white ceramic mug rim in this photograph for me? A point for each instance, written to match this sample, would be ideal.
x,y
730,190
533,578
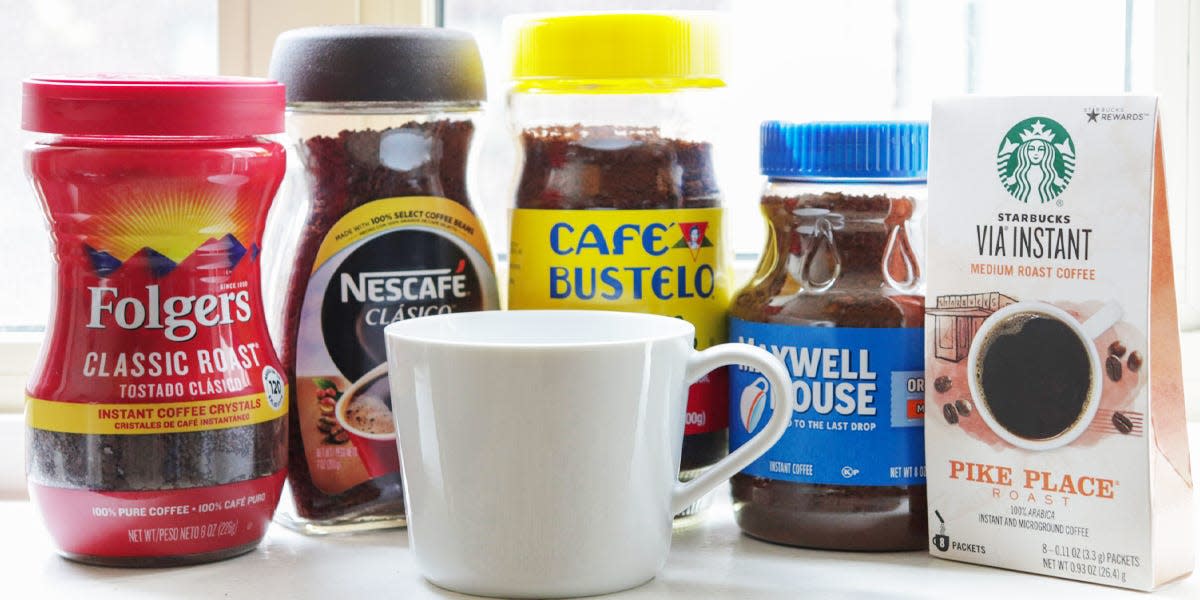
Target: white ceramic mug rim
x,y
339,409
1093,402
657,328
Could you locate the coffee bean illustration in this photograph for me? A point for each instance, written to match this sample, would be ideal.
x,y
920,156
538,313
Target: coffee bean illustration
x,y
942,384
963,407
1117,349
1135,361
1113,367
950,413
1122,423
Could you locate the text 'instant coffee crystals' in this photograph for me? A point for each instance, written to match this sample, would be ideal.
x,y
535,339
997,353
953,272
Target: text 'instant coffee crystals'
x,y
1056,438
156,413
382,119
838,298
617,205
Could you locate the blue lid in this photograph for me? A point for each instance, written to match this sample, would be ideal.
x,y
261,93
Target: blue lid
x,y
846,150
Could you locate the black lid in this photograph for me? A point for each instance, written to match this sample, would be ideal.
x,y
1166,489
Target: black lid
x,y
357,63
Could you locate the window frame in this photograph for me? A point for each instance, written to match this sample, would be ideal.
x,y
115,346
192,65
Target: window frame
x,y
247,30
246,34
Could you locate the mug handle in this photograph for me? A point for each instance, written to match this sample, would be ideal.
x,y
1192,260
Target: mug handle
x,y
1103,319
699,364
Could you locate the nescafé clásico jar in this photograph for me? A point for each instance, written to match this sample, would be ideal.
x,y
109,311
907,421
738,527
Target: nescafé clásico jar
x,y
156,420
382,119
838,297
617,205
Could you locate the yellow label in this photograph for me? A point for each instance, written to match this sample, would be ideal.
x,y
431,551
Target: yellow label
x,y
668,262
435,213
156,417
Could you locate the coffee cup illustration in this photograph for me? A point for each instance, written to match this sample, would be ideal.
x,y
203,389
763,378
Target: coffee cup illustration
x,y
365,412
1035,373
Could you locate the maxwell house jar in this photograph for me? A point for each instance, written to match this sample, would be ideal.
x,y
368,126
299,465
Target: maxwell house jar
x,y
617,205
156,415
839,298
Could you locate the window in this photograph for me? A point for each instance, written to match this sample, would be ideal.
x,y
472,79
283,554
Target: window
x,y
888,59
76,36
861,59
791,59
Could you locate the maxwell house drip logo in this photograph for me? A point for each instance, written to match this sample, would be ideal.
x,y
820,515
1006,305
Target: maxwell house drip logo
x,y
753,400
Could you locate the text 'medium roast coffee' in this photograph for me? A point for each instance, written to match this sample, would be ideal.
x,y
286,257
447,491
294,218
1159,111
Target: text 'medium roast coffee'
x,y
1056,440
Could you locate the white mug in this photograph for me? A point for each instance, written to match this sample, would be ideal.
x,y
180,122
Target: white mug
x,y
541,449
1088,331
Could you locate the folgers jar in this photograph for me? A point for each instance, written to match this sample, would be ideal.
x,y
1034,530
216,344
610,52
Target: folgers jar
x,y
838,297
156,413
382,119
617,202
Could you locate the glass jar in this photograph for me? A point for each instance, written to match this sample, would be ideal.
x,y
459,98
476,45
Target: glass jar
x,y
382,230
838,296
617,204
155,414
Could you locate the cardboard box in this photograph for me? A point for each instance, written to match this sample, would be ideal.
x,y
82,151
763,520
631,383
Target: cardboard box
x,y
1056,438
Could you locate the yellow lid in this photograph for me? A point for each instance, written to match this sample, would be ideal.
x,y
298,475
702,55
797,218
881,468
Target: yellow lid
x,y
617,52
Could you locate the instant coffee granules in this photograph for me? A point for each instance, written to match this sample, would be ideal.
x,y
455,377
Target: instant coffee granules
x,y
156,426
617,205
837,297
608,167
383,131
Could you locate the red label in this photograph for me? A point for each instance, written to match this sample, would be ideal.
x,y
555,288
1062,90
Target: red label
x,y
708,403
158,339
916,408
159,523
149,330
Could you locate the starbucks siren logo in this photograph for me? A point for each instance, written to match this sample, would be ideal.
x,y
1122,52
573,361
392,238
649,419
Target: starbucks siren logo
x,y
1036,160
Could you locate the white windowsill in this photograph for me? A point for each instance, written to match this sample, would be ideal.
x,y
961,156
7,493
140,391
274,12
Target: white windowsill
x,y
710,560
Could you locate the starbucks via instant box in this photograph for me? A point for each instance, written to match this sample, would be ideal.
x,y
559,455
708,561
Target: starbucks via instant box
x,y
1056,440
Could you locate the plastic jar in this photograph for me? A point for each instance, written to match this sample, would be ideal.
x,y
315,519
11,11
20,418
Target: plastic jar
x,y
155,415
383,230
617,204
839,297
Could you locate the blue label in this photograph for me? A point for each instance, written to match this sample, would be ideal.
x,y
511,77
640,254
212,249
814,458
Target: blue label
x,y
858,404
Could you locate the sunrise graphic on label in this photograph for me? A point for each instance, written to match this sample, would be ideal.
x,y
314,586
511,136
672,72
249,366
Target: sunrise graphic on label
x,y
754,398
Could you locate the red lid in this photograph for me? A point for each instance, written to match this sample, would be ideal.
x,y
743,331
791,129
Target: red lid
x,y
150,105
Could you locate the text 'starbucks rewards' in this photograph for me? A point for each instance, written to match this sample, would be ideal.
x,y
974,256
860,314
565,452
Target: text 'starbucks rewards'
x,y
1056,439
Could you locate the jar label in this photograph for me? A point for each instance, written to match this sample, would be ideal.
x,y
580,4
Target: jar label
x,y
667,262
384,262
159,522
159,327
160,417
858,402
